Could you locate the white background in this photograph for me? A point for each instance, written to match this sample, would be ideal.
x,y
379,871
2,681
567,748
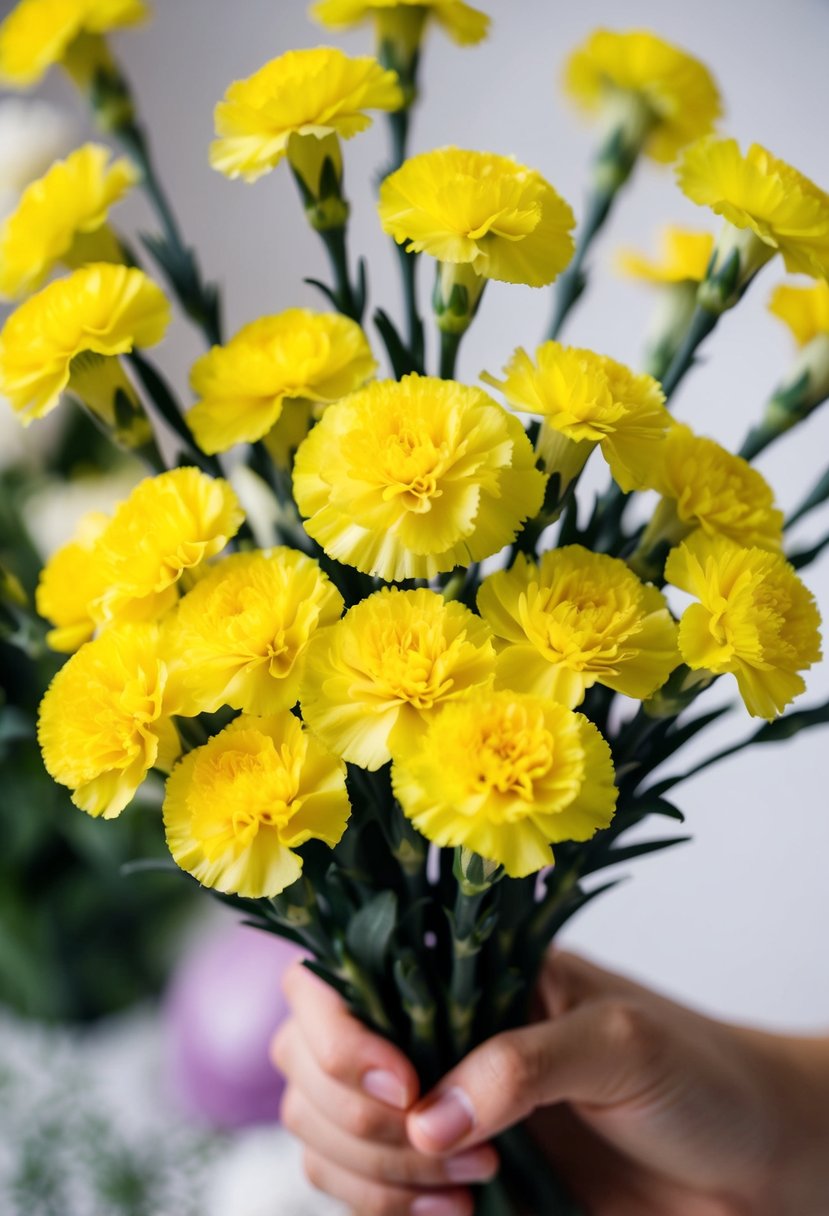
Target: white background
x,y
737,921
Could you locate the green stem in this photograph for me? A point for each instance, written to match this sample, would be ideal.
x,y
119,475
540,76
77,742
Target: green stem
x,y
527,1171
414,323
466,947
573,281
702,323
399,125
148,453
449,347
347,297
199,300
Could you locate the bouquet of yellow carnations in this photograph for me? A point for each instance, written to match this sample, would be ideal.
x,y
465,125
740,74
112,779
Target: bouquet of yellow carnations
x,y
413,695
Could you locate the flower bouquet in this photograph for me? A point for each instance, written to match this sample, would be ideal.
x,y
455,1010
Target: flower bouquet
x,y
410,691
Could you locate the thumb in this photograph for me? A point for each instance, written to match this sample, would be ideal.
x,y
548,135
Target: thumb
x,y
603,1053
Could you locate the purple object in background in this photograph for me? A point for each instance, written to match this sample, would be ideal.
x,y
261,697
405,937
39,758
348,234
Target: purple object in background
x,y
222,1007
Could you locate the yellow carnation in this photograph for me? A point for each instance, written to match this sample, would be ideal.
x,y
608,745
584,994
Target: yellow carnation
x,y
705,486
507,775
62,217
302,95
463,23
675,92
40,33
763,196
103,722
587,400
577,619
71,582
805,310
754,619
169,524
240,636
297,355
408,479
377,677
684,254
238,807
102,309
481,210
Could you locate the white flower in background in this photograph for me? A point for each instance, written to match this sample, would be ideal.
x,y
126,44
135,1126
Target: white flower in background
x,y
33,134
53,512
260,1174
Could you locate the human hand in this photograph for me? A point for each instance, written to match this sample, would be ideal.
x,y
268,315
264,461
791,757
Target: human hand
x,y
644,1108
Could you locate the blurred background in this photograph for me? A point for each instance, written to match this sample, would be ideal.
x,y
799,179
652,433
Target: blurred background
x,y
133,1019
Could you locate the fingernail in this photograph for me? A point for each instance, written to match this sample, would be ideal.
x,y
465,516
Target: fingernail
x,y
435,1205
386,1087
447,1120
476,1165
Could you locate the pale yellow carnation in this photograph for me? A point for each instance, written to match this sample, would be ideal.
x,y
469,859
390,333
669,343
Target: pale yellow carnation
x,y
302,95
62,218
237,809
463,23
754,619
39,33
577,619
506,775
489,212
408,479
297,355
104,722
101,309
170,524
394,659
676,92
240,637
764,196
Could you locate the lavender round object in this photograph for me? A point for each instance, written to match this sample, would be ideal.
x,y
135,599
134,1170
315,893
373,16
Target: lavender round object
x,y
223,1005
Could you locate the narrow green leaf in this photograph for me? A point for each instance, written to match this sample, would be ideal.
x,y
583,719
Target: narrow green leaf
x,y
785,727
327,291
805,557
815,498
399,354
369,933
630,852
325,973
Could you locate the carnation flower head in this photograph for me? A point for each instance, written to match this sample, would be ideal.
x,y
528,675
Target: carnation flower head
x,y
576,619
676,93
763,197
102,309
684,254
167,526
506,775
237,808
40,33
704,486
381,673
62,217
240,636
585,400
407,479
297,355
754,619
804,310
309,95
104,723
463,23
72,581
480,210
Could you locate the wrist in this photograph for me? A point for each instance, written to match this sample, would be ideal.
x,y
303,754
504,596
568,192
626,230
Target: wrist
x,y
796,1073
